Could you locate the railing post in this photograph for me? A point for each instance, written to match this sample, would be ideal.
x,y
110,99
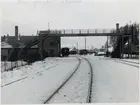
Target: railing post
x,y
72,31
95,30
88,31
103,31
80,31
64,31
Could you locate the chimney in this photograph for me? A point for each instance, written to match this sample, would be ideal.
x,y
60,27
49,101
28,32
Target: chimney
x,y
117,27
16,32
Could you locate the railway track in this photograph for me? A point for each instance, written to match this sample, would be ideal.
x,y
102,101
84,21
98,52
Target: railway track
x,y
24,77
90,82
129,63
88,100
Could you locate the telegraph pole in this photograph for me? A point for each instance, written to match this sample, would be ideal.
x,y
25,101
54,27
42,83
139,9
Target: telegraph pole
x,y
85,43
77,45
107,46
122,46
48,26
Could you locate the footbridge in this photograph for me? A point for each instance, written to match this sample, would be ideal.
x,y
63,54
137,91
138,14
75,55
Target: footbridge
x,y
44,34
79,32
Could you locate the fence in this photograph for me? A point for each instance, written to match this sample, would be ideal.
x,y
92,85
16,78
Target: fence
x,y
8,65
132,56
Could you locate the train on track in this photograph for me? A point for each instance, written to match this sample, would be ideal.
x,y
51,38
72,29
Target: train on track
x,y
65,51
83,52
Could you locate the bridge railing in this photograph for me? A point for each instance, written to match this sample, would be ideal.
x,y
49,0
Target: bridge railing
x,y
84,31
77,31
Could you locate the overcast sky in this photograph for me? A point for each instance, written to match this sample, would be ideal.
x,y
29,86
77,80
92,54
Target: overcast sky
x,y
67,14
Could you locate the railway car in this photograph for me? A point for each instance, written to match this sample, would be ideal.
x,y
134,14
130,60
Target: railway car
x,y
83,52
73,52
65,51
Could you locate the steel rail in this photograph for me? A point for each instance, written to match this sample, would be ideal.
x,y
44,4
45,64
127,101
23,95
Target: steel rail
x,y
25,77
53,94
90,82
129,64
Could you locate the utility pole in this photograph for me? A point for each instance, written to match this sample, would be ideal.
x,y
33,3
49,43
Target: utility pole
x,y
48,26
77,45
122,46
41,47
85,43
107,46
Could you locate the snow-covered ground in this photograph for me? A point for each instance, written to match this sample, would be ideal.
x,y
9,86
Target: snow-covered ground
x,y
9,65
76,89
24,71
112,81
39,85
132,60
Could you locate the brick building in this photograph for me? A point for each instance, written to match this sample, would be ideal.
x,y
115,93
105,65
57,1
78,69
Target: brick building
x,y
50,46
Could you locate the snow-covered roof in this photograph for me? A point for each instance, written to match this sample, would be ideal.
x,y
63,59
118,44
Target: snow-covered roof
x,y
5,45
35,46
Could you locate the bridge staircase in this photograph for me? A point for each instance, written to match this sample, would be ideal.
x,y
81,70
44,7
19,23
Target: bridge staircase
x,y
117,51
23,51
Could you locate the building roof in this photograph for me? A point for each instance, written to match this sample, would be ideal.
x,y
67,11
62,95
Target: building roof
x,y
35,46
15,43
5,45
